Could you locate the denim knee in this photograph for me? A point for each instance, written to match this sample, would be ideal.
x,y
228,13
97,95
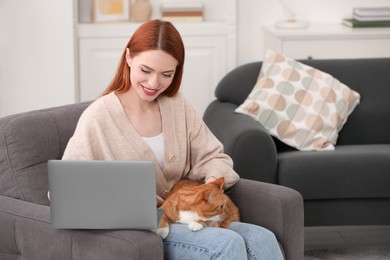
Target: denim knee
x,y
208,243
233,246
260,242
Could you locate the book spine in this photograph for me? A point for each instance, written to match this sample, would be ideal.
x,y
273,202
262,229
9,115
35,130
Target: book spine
x,y
371,18
182,7
353,23
372,11
196,13
183,18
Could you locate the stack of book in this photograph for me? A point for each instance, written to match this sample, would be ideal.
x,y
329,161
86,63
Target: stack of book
x,y
369,17
182,11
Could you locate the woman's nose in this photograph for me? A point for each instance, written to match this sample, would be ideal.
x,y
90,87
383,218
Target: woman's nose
x,y
153,81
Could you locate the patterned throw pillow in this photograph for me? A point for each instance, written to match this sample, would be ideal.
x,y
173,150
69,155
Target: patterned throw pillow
x,y
298,104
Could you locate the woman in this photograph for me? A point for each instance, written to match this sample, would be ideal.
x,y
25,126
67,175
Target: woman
x,y
142,116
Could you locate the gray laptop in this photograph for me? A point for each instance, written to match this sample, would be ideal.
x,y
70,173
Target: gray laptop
x,y
102,194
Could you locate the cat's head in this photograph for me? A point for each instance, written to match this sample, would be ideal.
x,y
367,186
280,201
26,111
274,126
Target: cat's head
x,y
211,198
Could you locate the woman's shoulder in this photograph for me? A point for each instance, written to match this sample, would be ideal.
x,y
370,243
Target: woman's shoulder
x,y
94,108
97,109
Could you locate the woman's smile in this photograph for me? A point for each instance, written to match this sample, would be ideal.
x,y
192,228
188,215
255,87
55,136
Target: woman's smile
x,y
149,91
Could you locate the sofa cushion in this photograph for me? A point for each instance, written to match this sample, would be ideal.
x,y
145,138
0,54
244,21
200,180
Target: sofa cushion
x,y
370,78
27,141
300,105
348,172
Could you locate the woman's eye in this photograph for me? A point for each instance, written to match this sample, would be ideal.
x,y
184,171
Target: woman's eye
x,y
144,70
167,75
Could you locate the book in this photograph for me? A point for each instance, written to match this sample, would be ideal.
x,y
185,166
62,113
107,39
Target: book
x,y
353,23
182,11
183,18
372,11
182,6
371,18
192,13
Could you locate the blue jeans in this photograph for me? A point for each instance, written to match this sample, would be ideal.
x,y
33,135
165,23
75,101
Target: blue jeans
x,y
239,241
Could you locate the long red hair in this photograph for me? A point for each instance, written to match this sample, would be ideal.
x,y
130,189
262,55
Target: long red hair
x,y
152,35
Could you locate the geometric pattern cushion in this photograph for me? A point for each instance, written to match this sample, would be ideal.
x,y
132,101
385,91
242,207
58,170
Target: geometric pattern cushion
x,y
298,104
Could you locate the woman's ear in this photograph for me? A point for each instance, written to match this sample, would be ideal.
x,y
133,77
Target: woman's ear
x,y
128,58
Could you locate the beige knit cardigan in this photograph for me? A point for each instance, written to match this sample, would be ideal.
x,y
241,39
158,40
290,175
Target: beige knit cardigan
x,y
190,149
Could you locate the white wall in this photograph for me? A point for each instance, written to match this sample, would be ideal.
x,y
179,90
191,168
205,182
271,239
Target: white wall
x,y
36,54
36,44
252,14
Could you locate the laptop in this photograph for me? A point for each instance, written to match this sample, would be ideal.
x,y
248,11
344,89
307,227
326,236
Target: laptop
x,y
103,194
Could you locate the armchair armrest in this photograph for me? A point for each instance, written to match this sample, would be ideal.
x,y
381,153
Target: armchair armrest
x,y
26,230
246,141
277,208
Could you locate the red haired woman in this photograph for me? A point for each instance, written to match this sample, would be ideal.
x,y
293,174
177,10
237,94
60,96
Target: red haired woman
x,y
143,116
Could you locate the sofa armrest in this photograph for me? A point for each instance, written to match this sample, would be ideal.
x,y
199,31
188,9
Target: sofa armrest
x,y
26,231
277,208
246,141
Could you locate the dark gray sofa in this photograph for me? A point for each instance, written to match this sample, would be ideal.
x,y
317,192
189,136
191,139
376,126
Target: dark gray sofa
x,y
347,186
28,140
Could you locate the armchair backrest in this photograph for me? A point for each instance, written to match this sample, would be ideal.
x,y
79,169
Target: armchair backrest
x,y
369,123
27,141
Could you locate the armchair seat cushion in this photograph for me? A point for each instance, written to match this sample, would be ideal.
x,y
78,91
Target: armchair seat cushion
x,y
350,171
26,233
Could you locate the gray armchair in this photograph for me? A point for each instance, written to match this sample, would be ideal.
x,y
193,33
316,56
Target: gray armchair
x,y
28,140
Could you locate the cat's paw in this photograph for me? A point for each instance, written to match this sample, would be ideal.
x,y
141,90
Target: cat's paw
x,y
195,226
163,232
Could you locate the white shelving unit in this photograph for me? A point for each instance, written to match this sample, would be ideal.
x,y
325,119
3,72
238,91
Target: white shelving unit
x,y
323,41
210,52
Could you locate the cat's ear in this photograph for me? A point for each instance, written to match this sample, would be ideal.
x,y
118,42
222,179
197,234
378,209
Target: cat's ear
x,y
219,182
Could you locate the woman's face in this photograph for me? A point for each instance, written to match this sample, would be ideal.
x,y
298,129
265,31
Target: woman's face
x,y
151,73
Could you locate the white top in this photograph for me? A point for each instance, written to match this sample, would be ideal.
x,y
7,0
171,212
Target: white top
x,y
156,143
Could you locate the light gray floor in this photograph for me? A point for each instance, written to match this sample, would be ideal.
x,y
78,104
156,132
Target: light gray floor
x,y
346,236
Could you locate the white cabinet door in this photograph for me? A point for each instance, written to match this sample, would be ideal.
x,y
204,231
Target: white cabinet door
x,y
205,65
99,59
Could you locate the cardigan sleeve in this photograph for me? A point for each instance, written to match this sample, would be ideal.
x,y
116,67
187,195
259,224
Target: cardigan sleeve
x,y
207,155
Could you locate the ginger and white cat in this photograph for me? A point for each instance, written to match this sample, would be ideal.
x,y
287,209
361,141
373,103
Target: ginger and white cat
x,y
198,205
